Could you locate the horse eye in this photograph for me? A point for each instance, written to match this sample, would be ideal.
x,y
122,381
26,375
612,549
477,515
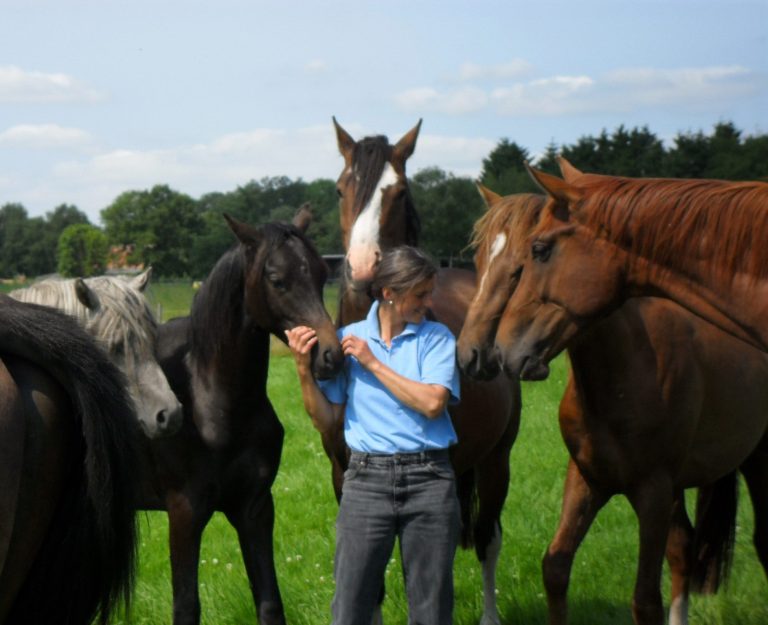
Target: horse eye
x,y
276,281
339,192
541,250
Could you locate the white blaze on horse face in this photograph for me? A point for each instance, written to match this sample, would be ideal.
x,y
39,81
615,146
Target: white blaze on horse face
x,y
498,246
364,250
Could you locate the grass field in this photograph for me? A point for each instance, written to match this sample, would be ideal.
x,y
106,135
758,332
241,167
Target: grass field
x,y
603,575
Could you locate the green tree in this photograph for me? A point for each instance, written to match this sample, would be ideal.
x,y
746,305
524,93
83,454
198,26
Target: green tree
x,y
448,207
504,169
13,240
160,223
82,251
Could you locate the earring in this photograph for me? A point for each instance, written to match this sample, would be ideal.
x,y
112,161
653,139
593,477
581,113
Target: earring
x,y
390,302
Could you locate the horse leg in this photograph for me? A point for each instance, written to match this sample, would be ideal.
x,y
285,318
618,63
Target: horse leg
x,y
186,523
254,522
492,486
679,554
653,503
755,471
581,503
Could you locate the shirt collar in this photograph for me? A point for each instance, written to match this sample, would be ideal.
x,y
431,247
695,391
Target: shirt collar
x,y
372,321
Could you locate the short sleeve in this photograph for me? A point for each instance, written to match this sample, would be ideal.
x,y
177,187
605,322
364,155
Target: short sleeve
x,y
335,389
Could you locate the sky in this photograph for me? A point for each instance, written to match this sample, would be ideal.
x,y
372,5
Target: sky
x,y
99,97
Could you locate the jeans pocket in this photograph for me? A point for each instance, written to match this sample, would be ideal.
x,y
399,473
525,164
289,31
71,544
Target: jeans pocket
x,y
443,470
352,471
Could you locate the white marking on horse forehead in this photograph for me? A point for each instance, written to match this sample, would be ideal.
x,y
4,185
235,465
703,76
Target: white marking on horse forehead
x,y
496,248
366,228
498,245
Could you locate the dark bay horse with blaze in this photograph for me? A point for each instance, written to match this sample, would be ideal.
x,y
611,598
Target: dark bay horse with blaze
x,y
377,212
657,401
227,454
114,310
68,491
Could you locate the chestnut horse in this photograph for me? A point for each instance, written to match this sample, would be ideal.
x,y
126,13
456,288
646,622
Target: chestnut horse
x,y
227,454
700,243
377,212
68,490
657,401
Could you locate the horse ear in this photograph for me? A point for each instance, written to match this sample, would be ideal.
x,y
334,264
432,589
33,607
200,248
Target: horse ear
x,y
345,142
568,171
247,235
85,295
141,281
405,147
554,186
303,217
489,197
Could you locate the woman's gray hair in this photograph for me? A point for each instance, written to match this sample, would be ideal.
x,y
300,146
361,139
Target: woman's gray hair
x,y
401,269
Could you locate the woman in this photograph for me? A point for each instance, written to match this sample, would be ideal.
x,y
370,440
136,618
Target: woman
x,y
398,378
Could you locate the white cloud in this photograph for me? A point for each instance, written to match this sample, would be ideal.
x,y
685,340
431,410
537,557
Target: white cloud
x,y
456,102
222,165
44,136
18,85
461,156
316,66
622,90
512,69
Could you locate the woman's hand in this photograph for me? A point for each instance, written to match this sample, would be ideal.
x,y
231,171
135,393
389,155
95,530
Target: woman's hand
x,y
301,339
357,347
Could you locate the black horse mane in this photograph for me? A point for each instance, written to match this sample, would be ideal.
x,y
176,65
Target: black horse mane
x,y
370,156
218,311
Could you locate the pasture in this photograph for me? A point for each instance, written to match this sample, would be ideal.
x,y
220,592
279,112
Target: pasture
x,y
601,584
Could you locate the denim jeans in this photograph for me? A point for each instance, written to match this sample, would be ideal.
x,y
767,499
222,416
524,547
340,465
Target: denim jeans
x,y
407,496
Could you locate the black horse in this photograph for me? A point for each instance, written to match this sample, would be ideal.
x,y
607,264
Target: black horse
x,y
67,487
227,454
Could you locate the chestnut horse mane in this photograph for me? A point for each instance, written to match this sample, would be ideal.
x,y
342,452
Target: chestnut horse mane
x,y
666,220
370,156
516,213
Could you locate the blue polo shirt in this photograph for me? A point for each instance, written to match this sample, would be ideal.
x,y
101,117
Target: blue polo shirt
x,y
375,421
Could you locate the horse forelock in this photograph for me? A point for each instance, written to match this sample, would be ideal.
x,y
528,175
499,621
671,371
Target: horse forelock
x,y
370,156
667,221
514,216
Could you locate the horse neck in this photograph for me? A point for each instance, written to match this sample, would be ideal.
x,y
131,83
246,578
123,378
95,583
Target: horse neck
x,y
738,306
226,345
353,305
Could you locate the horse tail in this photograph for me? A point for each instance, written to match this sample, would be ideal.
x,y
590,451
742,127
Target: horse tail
x,y
86,565
714,534
466,490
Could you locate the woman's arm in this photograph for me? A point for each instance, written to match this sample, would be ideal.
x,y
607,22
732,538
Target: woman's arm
x,y
323,413
427,399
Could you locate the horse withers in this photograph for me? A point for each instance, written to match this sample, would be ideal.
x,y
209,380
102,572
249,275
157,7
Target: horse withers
x,y
376,212
114,310
226,455
657,401
68,490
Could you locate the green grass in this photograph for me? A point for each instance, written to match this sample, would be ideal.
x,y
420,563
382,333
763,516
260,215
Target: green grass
x,y
603,574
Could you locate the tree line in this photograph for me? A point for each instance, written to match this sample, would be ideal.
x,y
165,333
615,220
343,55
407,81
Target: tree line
x,y
183,237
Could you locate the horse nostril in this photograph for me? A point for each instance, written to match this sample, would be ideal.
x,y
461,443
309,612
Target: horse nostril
x,y
161,417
